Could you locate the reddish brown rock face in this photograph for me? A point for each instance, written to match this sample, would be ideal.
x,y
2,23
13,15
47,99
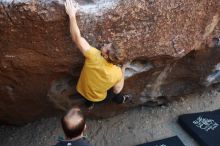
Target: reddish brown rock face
x,y
40,65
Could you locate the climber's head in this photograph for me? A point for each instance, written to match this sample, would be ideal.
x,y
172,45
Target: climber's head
x,y
113,54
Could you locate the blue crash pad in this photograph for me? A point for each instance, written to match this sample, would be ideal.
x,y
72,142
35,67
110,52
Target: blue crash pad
x,y
172,141
204,127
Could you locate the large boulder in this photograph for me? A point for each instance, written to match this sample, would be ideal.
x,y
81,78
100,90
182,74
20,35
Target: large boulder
x,y
40,65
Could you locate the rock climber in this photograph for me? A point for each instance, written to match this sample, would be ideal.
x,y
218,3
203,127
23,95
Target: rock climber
x,y
101,78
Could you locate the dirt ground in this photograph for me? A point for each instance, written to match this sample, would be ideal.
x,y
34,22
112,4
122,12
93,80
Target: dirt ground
x,y
133,127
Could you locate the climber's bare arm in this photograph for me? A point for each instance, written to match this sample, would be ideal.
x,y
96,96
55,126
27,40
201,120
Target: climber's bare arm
x,y
119,86
82,44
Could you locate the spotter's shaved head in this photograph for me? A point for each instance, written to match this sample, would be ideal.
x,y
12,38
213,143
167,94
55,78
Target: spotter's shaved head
x,y
73,123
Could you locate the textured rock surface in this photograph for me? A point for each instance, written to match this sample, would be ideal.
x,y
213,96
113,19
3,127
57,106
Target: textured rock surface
x,y
39,64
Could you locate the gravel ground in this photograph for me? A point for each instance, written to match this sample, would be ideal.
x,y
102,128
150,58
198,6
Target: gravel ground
x,y
135,126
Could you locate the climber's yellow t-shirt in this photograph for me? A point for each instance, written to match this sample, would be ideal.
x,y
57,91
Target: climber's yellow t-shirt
x,y
97,76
